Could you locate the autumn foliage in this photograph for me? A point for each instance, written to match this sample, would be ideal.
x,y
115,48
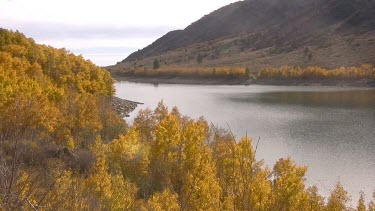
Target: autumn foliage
x,y
63,147
188,72
286,72
363,71
52,103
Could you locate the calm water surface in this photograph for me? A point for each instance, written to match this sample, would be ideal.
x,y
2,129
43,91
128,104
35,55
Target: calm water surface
x,y
329,129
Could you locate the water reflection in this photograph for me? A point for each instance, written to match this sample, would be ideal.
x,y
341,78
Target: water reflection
x,y
334,99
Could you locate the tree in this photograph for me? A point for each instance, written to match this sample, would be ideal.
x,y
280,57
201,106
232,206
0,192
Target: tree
x,y
112,191
53,106
316,201
310,56
156,64
199,58
306,50
160,112
371,205
338,199
144,123
252,188
164,153
247,73
289,188
129,157
200,187
361,202
214,71
166,200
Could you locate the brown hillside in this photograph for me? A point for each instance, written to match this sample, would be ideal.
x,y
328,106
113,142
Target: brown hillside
x,y
263,33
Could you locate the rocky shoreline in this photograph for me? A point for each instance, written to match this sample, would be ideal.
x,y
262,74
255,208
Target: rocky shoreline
x,y
124,107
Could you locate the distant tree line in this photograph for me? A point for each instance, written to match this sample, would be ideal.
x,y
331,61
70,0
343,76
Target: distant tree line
x,y
286,72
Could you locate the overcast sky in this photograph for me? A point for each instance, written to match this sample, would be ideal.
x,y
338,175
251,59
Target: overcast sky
x,y
103,31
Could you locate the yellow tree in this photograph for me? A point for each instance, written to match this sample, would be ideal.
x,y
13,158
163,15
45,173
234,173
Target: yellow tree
x,y
371,205
124,194
252,188
112,191
145,123
99,182
164,152
338,199
164,201
289,188
224,150
361,202
200,187
67,192
160,112
52,188
129,156
316,200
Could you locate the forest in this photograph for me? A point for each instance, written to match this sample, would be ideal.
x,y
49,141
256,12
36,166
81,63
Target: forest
x,y
64,147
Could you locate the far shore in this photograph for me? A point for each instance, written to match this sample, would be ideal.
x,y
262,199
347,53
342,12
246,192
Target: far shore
x,y
240,81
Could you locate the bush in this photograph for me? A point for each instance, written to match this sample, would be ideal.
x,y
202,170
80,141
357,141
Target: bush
x,y
156,64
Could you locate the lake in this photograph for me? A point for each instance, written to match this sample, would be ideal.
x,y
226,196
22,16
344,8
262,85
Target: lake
x,y
329,129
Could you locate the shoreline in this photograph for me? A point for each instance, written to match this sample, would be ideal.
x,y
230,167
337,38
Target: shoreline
x,y
124,107
365,83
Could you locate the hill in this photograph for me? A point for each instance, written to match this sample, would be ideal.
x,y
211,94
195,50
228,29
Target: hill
x,y
269,33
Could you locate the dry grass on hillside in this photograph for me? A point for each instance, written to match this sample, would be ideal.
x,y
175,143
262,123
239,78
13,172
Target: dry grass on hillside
x,y
329,53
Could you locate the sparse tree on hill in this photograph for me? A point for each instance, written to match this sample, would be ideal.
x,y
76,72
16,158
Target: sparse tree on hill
x,y
214,71
306,50
156,64
310,56
199,58
247,73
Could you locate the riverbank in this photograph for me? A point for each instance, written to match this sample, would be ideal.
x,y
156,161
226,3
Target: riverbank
x,y
241,81
124,107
